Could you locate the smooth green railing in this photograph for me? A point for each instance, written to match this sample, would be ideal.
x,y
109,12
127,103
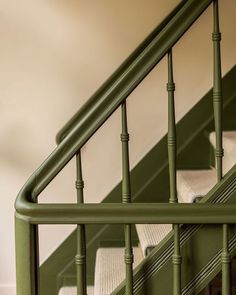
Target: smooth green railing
x,y
113,94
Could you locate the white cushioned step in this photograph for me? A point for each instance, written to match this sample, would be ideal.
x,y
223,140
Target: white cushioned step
x,y
194,183
229,145
191,184
73,291
110,268
151,235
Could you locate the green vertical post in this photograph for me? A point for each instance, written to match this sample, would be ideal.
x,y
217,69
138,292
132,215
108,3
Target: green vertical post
x,y
226,262
172,173
27,258
80,258
176,259
171,130
126,198
217,89
219,152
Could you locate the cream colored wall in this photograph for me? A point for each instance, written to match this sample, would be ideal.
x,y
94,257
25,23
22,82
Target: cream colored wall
x,y
53,56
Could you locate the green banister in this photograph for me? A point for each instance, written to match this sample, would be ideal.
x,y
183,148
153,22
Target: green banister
x,y
80,258
111,100
78,131
139,213
126,199
124,67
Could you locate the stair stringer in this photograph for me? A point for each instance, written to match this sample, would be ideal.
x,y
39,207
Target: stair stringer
x,y
200,249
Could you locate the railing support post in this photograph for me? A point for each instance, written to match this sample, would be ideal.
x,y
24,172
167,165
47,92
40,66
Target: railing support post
x,y
126,198
176,259
217,89
226,265
27,265
80,258
171,130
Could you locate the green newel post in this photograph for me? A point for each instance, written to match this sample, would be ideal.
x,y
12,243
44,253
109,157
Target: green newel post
x,y
27,265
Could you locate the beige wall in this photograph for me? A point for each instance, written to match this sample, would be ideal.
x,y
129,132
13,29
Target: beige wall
x,y
53,56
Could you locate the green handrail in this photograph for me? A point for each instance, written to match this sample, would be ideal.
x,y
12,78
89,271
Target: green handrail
x,y
76,133
111,100
135,213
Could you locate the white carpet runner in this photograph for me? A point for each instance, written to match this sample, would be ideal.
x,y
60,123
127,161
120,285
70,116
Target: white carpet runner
x,y
110,267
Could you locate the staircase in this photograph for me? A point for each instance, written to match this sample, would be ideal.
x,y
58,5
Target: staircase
x,y
141,246
192,185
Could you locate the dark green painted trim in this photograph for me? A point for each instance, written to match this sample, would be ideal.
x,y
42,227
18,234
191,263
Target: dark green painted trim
x,y
192,129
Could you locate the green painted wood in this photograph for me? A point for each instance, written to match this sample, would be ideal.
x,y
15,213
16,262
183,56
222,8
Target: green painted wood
x,y
126,199
27,266
171,137
111,100
217,90
226,266
201,249
80,258
135,213
171,130
150,182
176,260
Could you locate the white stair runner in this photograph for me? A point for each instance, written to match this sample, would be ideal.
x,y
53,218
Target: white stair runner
x,y
110,268
151,235
73,291
194,183
191,184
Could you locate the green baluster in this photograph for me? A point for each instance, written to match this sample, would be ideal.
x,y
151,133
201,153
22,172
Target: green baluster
x,y
226,267
126,198
176,259
172,174
80,258
217,102
171,131
217,90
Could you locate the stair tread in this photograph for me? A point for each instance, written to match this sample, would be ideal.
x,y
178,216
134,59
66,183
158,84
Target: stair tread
x,y
194,183
151,235
110,268
191,184
73,290
229,136
229,144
